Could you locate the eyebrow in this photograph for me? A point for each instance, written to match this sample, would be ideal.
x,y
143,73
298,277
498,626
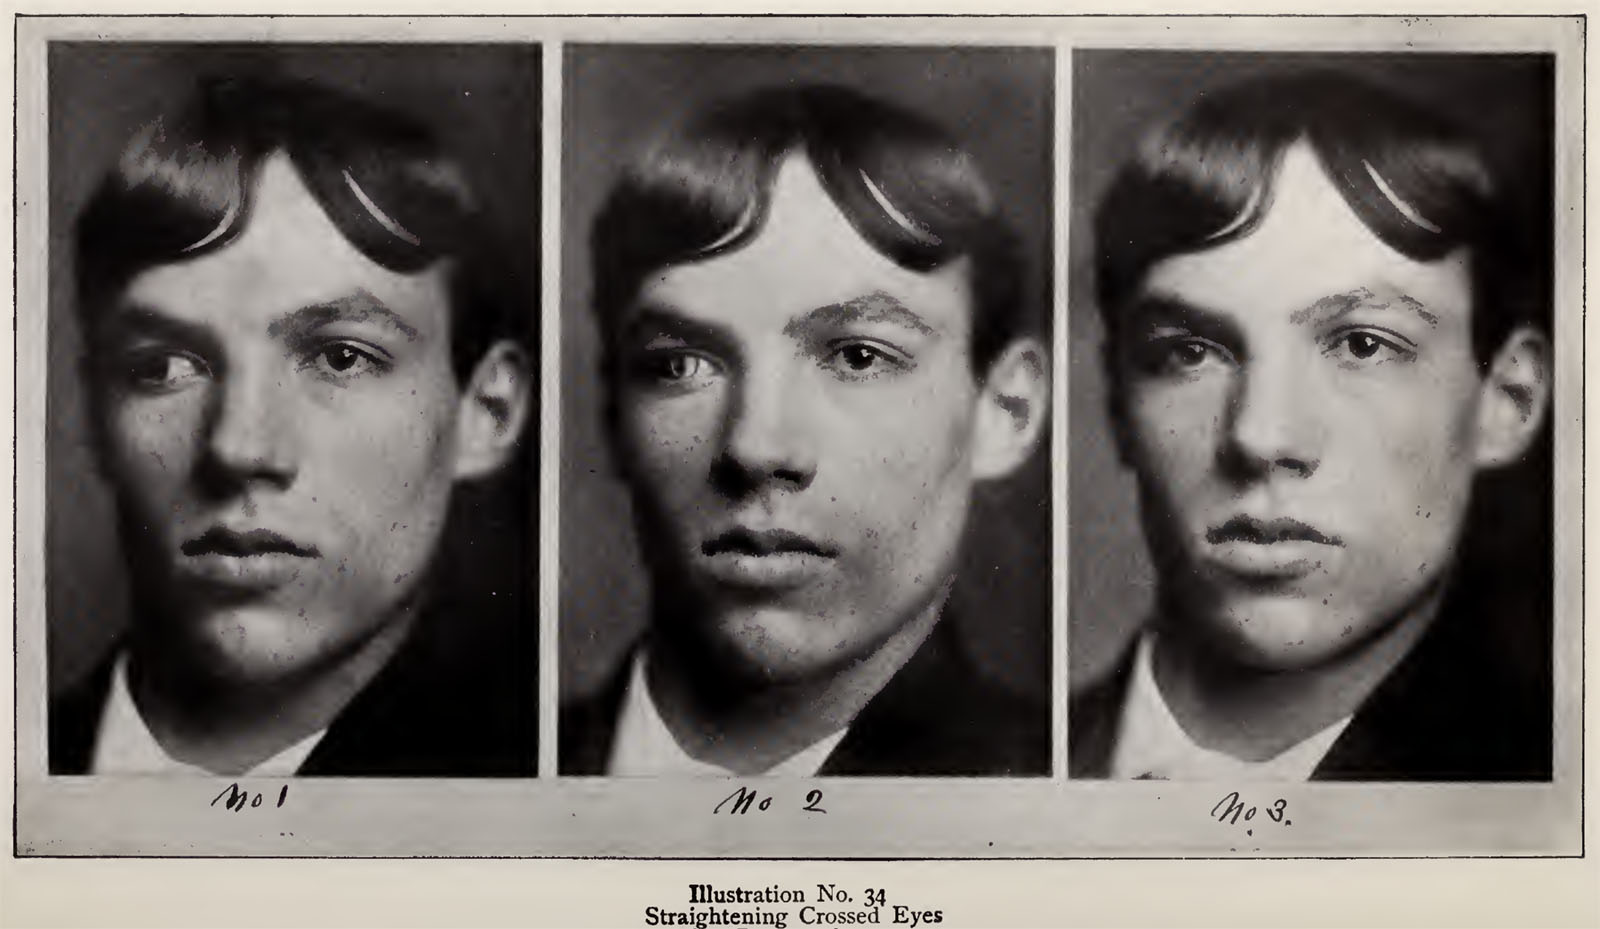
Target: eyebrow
x,y
358,307
660,319
876,307
1337,306
1202,320
1324,310
129,319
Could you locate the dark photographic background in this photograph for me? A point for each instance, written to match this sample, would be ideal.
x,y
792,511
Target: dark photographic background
x,y
998,102
1117,96
483,100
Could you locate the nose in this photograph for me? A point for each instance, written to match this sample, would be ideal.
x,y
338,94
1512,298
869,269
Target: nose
x,y
766,442
250,437
1273,426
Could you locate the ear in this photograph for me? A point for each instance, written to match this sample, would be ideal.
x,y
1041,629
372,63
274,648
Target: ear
x,y
494,406
1012,406
1513,397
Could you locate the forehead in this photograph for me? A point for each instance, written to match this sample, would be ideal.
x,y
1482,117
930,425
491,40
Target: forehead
x,y
289,255
1308,246
807,255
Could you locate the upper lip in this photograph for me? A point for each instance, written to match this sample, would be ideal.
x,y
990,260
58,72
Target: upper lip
x,y
746,541
221,540
1245,528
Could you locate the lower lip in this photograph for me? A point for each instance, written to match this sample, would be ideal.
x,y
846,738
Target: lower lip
x,y
1287,560
264,572
776,571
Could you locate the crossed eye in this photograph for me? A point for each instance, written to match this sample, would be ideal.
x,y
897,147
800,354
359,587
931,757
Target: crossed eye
x,y
161,370
852,360
165,370
677,366
1352,346
1187,353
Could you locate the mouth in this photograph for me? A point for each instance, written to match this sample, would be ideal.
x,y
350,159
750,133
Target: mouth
x,y
247,561
767,560
1269,549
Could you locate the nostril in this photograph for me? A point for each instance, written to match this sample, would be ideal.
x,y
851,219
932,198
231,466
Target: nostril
x,y
1299,466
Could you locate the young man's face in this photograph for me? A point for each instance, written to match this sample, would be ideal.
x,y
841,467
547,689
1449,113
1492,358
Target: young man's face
x,y
278,418
1301,407
796,420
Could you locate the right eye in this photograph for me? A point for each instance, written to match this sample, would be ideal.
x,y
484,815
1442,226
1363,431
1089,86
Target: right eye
x,y
161,371
676,368
1188,353
680,367
1181,355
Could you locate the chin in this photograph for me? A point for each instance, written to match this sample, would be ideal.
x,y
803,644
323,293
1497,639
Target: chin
x,y
770,645
265,645
1283,634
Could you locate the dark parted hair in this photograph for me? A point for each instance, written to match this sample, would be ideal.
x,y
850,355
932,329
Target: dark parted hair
x,y
183,187
902,182
1419,182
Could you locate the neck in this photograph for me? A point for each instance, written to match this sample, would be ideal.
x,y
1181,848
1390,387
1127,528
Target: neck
x,y
1255,715
228,725
751,729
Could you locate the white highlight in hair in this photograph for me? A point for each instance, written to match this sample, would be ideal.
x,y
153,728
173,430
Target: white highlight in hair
x,y
1245,214
900,219
222,227
1406,209
739,227
395,229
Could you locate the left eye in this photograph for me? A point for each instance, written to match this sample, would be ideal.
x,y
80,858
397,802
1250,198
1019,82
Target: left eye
x,y
859,357
864,358
1363,345
345,358
1366,345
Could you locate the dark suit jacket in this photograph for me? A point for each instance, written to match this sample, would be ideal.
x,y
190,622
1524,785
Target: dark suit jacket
x,y
458,699
936,717
1450,711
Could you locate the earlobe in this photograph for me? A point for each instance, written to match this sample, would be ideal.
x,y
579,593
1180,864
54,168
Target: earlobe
x,y
1515,393
1012,407
494,407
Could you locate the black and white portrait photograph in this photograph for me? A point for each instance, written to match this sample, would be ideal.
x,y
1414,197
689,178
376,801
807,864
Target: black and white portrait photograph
x,y
1311,379
805,511
673,466
292,359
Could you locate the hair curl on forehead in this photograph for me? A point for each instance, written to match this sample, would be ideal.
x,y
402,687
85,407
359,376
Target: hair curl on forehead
x,y
1421,184
900,180
183,187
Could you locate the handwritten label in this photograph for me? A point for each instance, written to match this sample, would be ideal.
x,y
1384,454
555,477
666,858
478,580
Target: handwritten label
x,y
1232,808
744,800
232,798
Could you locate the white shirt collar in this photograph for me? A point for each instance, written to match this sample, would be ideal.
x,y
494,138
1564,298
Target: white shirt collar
x,y
644,746
1151,743
125,745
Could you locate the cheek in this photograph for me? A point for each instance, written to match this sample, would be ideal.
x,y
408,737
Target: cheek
x,y
1410,467
901,464
915,436
384,467
1174,432
402,448
152,442
669,442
